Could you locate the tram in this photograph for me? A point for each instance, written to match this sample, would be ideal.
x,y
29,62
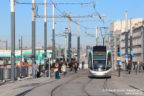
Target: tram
x,y
99,61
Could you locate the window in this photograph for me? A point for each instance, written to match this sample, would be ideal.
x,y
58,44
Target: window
x,y
99,64
90,61
99,56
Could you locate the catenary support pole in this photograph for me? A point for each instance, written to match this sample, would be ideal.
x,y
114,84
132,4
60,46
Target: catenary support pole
x,y
19,43
96,35
6,45
66,44
126,34
69,39
21,54
126,39
45,32
12,2
131,32
78,43
53,32
33,35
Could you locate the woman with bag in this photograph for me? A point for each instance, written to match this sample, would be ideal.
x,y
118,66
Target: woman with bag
x,y
57,75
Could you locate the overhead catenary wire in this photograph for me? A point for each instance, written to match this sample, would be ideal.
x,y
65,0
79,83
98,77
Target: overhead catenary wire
x,y
39,3
64,14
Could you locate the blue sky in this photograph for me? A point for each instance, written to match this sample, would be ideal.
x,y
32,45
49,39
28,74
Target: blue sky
x,y
113,9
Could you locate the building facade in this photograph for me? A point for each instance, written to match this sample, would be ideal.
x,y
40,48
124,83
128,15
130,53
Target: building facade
x,y
117,41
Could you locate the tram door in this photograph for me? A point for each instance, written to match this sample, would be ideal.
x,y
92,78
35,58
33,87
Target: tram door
x,y
109,61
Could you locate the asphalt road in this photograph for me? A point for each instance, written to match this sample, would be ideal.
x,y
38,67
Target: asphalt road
x,y
80,84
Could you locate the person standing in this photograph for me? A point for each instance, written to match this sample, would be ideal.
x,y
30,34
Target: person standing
x,y
83,65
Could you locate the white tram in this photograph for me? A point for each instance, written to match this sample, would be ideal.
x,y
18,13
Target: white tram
x,y
99,62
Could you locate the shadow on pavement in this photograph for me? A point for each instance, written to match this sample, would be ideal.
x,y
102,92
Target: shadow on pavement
x,y
92,77
25,92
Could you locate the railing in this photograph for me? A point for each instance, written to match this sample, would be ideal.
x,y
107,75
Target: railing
x,y
23,70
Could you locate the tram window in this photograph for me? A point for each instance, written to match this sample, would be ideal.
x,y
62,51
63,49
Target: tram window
x,y
100,56
99,63
109,60
90,61
4,58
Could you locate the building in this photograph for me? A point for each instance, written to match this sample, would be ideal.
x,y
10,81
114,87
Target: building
x,y
117,41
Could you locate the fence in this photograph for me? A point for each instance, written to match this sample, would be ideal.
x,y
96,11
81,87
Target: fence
x,y
20,71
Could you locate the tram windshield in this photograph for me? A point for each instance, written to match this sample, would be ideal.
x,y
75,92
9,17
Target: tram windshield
x,y
99,64
99,61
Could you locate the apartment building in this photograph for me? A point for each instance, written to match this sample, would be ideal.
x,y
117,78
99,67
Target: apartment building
x,y
117,40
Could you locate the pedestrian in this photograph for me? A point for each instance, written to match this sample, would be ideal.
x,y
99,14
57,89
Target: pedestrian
x,y
83,65
47,69
60,65
57,74
66,68
63,69
39,71
35,68
75,67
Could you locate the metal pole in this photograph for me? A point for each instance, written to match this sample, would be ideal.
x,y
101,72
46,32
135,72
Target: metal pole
x,y
53,32
103,41
126,34
33,35
96,35
65,45
45,32
78,43
126,38
19,43
21,47
12,40
49,67
6,45
69,39
131,41
21,56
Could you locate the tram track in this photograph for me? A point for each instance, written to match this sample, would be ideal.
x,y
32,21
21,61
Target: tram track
x,y
84,87
64,84
60,85
105,86
29,90
39,85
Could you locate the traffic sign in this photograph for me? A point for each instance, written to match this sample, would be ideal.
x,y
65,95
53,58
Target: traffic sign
x,y
120,52
120,62
118,58
126,56
132,52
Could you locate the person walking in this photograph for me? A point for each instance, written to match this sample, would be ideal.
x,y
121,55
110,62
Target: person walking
x,y
75,67
35,68
47,69
57,74
63,69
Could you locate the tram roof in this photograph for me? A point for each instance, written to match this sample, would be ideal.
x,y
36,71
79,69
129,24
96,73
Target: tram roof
x,y
99,48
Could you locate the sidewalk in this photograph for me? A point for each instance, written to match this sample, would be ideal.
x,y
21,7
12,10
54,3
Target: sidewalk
x,y
19,88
